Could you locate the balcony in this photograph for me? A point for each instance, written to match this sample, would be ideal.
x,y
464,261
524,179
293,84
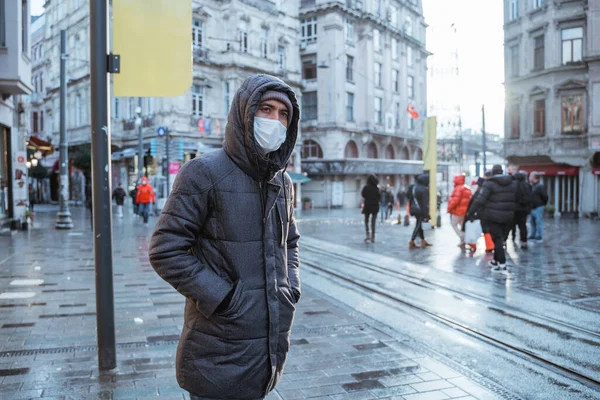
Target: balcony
x,y
563,145
361,166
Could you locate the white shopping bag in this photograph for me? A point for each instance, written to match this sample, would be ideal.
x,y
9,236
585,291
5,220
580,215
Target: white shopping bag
x,y
472,231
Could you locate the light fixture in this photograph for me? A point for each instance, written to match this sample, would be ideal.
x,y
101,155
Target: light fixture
x,y
38,154
28,164
34,162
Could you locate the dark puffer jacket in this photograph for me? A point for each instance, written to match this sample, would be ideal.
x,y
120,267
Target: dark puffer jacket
x,y
496,200
420,195
372,196
228,227
523,201
539,195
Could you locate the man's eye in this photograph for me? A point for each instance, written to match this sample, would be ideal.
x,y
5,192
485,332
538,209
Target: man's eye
x,y
266,109
284,113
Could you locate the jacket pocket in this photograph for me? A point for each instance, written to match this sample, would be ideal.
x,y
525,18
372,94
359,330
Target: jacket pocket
x,y
234,304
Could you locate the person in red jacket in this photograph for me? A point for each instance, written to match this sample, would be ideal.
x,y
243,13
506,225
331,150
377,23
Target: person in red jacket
x,y
145,196
458,203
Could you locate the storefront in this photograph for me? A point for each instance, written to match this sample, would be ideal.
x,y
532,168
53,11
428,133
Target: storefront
x,y
5,168
562,184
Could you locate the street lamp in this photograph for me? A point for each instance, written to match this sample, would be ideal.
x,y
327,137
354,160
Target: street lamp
x,y
138,125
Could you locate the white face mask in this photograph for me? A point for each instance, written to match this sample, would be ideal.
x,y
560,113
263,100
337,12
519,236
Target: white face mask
x,y
269,133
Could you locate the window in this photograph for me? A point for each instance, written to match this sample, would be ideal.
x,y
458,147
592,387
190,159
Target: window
x,y
410,124
311,149
396,80
243,37
409,56
394,16
42,82
41,121
538,53
117,110
377,74
198,101
572,45
149,105
349,106
34,120
349,32
198,34
227,88
390,154
394,49
264,42
309,105
572,114
371,150
408,26
378,112
25,26
309,67
513,12
2,25
350,68
538,3
351,150
131,108
376,40
397,116
308,30
78,110
377,7
410,87
281,57
514,60
515,120
539,118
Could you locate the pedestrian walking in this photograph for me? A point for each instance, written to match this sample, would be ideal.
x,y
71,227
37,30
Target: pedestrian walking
x,y
133,195
523,201
119,196
539,199
384,200
458,204
372,199
474,215
227,240
418,202
144,198
496,205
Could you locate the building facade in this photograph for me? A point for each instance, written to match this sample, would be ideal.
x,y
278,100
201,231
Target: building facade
x,y
552,64
15,85
363,67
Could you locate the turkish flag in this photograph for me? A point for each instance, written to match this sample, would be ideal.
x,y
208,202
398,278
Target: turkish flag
x,y
412,112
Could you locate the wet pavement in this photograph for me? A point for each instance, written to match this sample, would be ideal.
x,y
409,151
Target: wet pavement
x,y
48,341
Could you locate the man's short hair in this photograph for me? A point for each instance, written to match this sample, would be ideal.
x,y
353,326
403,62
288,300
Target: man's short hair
x,y
497,169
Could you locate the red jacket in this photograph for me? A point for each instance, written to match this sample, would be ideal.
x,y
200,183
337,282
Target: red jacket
x,y
145,193
458,203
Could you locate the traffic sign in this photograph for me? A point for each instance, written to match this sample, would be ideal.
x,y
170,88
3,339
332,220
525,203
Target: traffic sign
x,y
161,131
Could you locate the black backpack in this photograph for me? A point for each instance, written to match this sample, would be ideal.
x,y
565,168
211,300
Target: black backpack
x,y
524,193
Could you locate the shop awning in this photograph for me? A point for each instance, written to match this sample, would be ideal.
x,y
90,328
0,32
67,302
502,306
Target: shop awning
x,y
299,178
596,171
35,143
551,169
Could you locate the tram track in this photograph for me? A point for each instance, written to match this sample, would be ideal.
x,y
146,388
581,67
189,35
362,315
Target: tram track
x,y
561,328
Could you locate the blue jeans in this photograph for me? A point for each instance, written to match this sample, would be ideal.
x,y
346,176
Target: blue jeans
x,y
537,223
194,397
144,210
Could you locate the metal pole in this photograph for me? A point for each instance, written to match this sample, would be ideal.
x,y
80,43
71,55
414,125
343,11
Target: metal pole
x,y
101,185
168,173
140,141
483,145
63,217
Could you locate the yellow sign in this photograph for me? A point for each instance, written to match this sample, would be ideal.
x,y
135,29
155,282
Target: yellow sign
x,y
154,40
430,161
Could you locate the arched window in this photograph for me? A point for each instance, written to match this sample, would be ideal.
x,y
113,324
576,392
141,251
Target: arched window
x,y
418,154
371,150
351,150
390,154
311,149
405,154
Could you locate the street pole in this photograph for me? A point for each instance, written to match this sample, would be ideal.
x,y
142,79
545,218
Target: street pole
x,y
168,134
101,173
63,217
483,145
140,140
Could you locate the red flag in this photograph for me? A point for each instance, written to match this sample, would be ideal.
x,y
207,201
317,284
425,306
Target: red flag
x,y
412,112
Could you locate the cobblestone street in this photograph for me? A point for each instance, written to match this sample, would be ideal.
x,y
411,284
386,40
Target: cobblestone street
x,y
48,342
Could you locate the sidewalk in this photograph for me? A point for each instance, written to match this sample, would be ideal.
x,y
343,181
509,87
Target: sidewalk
x,y
48,341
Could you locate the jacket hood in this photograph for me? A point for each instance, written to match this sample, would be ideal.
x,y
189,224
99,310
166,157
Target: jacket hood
x,y
144,180
459,180
520,176
239,143
372,180
423,179
502,180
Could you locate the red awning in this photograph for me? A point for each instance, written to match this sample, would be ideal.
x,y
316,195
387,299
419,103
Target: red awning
x,y
36,143
596,171
551,169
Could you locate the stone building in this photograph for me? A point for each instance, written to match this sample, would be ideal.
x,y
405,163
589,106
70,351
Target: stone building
x,y
552,54
363,66
15,85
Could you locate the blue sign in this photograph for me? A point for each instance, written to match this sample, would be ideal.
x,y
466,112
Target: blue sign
x,y
161,131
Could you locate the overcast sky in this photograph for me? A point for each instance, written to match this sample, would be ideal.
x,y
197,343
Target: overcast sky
x,y
481,58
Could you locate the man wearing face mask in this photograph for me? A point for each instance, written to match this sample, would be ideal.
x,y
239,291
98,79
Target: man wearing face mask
x,y
227,241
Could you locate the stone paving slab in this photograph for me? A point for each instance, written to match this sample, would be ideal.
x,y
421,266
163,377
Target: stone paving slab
x,y
47,342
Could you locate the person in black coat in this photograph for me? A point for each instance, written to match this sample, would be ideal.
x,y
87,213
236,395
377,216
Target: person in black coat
x,y
418,197
372,196
496,205
133,195
119,196
522,207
